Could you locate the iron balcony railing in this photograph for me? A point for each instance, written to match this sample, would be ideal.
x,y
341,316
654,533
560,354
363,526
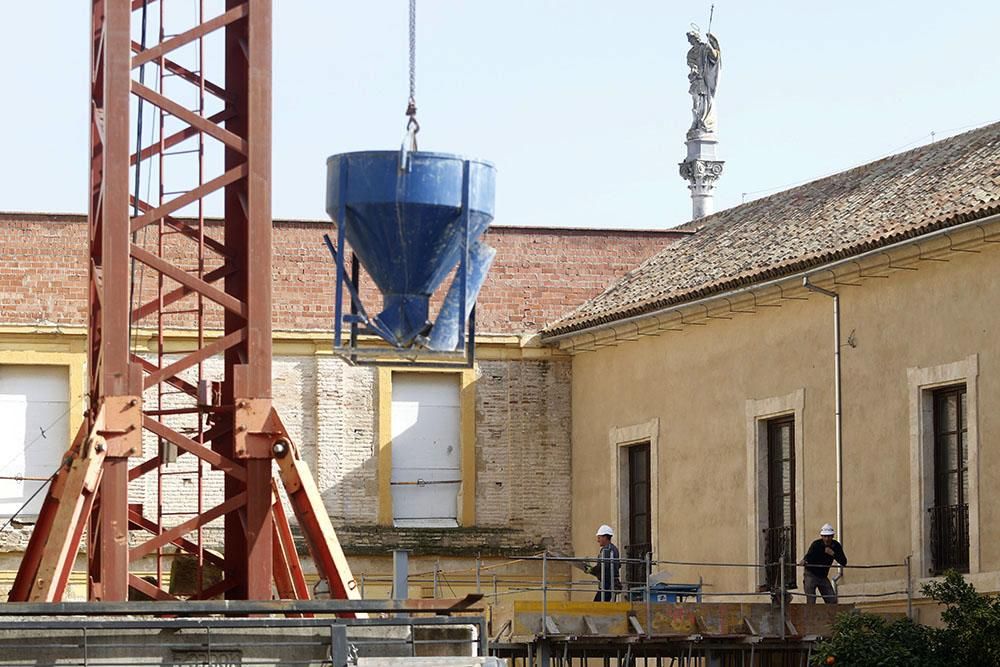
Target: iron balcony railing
x,y
779,541
949,538
635,568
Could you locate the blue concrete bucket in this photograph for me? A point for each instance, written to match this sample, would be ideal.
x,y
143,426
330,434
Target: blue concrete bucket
x,y
404,218
445,335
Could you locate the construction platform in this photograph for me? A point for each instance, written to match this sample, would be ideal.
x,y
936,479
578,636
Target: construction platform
x,y
707,634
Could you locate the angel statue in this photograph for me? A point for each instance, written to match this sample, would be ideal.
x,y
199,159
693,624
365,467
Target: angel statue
x,y
704,60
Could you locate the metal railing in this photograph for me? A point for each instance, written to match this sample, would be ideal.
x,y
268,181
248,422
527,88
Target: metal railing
x,y
779,545
554,576
546,581
949,538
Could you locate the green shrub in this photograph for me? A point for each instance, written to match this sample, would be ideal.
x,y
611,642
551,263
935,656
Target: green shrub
x,y
866,639
971,635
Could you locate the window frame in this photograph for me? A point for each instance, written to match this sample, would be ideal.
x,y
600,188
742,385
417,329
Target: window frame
x,y
943,475
467,431
947,473
74,361
922,381
773,430
619,439
777,466
635,572
758,413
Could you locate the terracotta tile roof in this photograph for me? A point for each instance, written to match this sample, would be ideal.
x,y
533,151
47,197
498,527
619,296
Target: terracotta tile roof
x,y
898,197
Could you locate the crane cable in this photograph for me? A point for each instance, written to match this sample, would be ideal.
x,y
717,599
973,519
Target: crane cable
x,y
412,126
138,173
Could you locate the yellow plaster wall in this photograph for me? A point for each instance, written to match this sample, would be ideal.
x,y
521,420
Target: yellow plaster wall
x,y
67,346
697,383
48,349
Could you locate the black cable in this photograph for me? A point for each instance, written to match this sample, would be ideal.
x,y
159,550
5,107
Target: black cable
x,y
30,498
138,169
138,131
39,437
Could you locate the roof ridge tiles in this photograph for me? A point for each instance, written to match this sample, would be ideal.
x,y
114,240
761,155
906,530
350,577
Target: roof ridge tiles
x,y
873,204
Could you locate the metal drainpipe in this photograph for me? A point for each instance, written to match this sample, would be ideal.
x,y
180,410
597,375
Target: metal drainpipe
x,y
838,438
400,574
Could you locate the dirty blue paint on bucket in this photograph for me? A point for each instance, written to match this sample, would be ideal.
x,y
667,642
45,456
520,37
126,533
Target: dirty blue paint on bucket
x,y
406,225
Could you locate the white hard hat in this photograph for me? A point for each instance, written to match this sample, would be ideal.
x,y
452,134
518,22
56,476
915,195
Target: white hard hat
x,y
827,529
605,530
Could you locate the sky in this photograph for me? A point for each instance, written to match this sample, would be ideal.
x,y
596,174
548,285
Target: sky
x,y
582,105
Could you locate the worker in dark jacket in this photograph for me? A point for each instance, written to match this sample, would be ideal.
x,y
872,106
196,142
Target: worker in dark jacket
x,y
819,558
607,568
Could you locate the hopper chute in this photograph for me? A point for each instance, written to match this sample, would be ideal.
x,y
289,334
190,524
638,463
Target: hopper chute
x,y
411,219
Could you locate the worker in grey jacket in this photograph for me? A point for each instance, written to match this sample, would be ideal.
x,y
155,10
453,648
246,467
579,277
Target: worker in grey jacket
x,y
607,567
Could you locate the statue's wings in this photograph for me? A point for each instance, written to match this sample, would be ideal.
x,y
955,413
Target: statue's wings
x,y
714,64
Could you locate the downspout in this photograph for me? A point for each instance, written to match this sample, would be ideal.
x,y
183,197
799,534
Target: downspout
x,y
838,433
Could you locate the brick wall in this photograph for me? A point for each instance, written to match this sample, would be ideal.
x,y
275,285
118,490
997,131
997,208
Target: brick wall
x,y
346,467
43,269
522,461
329,407
523,458
539,273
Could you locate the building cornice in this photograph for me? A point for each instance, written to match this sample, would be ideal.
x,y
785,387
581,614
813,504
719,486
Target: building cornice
x,y
54,337
849,269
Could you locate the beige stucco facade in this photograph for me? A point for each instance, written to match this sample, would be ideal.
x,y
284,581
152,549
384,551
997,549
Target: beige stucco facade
x,y
698,382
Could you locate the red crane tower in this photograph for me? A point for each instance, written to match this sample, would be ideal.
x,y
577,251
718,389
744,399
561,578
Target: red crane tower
x,y
205,276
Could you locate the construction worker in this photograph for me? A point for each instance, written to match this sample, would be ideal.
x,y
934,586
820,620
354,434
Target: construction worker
x,y
818,559
607,568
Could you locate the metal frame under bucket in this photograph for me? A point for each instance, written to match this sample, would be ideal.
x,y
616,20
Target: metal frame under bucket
x,y
368,342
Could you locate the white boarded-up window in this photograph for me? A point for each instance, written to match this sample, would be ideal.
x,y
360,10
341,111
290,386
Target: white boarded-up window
x,y
34,411
426,453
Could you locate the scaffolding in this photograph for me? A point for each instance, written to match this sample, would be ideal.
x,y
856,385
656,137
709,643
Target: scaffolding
x,y
550,619
204,411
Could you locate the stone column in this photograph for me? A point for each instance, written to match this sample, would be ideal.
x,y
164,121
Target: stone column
x,y
701,169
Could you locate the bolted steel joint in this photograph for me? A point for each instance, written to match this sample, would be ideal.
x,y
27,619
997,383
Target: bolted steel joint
x,y
280,448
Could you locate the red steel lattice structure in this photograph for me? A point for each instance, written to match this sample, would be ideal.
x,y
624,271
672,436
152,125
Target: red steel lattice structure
x,y
237,430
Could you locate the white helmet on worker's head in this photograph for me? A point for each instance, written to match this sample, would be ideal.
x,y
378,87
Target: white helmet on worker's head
x,y
605,530
827,529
